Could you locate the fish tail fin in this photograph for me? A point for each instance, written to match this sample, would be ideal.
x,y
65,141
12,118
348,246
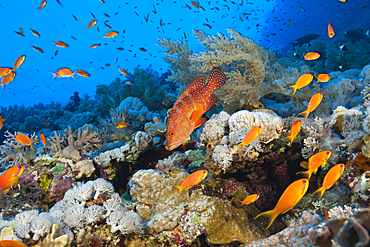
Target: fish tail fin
x,y
241,146
45,150
307,173
290,138
242,203
294,88
306,112
179,189
54,75
320,192
271,215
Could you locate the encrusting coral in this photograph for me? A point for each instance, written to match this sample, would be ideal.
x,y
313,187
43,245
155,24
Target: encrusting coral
x,y
223,146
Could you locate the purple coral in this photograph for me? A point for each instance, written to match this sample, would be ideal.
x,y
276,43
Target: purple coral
x,y
60,185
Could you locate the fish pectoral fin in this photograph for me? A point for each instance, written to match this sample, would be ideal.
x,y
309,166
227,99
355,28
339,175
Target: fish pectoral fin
x,y
199,122
197,114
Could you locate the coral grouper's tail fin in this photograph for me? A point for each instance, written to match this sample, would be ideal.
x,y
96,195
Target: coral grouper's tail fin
x,y
179,188
216,79
271,215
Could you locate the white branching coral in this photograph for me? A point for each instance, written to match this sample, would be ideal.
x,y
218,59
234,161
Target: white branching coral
x,y
40,226
23,230
118,154
101,186
26,217
127,222
112,205
93,213
74,216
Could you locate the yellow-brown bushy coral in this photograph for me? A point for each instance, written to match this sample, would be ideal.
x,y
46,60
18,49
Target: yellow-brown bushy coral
x,y
252,71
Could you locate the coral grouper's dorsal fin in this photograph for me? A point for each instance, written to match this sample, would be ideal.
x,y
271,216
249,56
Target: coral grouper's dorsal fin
x,y
210,102
216,79
195,85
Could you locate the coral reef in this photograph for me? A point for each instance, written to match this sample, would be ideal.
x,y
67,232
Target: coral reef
x,y
13,153
223,147
74,144
346,231
300,232
252,72
162,208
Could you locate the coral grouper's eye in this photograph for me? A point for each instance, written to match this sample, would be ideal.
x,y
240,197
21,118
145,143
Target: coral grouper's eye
x,y
172,133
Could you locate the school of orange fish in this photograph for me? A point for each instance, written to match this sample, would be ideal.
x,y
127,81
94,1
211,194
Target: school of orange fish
x,y
185,116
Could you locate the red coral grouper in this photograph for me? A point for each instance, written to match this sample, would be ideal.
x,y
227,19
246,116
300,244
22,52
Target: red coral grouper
x,y
186,114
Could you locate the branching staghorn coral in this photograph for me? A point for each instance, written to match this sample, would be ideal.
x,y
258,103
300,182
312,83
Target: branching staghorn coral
x,y
252,71
13,153
74,144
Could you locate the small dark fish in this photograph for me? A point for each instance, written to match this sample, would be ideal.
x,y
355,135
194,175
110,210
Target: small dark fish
x,y
58,1
20,32
296,55
120,48
106,15
302,8
93,15
74,17
142,49
73,38
343,48
56,53
37,49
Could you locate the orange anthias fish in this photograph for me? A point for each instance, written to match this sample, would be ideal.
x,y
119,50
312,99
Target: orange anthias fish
x,y
1,122
18,62
323,78
330,178
7,79
24,140
12,243
311,56
42,5
249,199
43,140
38,49
9,178
291,196
35,32
64,72
296,127
185,115
141,118
94,46
314,102
61,44
331,32
123,71
314,162
5,71
111,34
192,180
195,4
252,134
91,24
122,125
82,73
302,81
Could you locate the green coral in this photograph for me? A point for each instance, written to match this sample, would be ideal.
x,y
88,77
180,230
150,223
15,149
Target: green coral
x,y
55,170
